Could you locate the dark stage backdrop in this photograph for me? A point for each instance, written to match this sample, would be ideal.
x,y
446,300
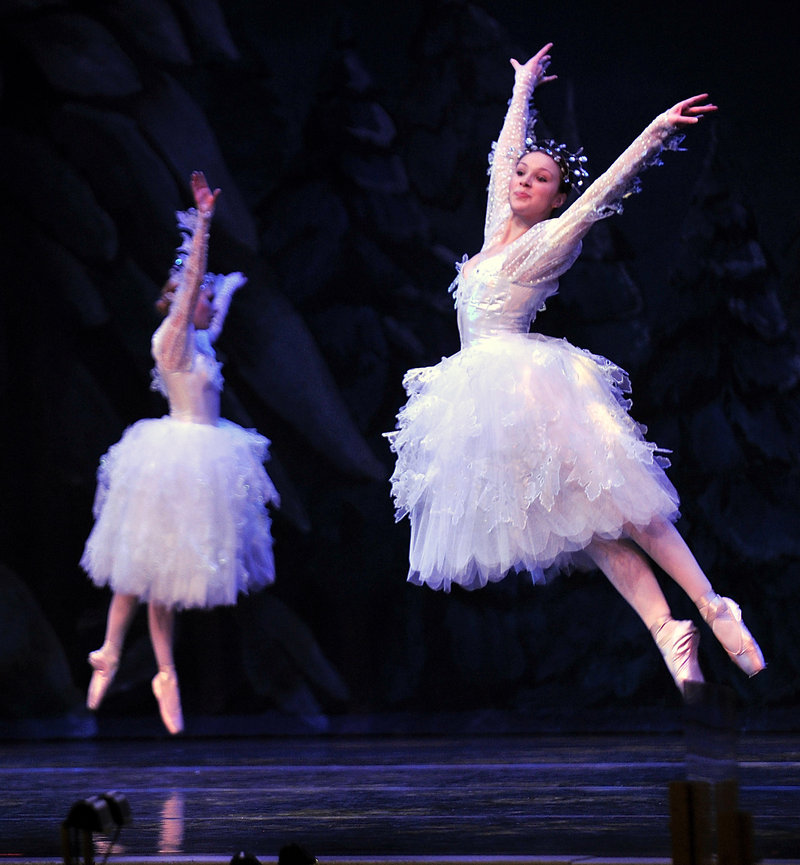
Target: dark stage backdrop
x,y
350,141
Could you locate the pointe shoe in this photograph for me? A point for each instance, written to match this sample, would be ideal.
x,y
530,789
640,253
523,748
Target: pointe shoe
x,y
105,666
165,688
678,641
725,620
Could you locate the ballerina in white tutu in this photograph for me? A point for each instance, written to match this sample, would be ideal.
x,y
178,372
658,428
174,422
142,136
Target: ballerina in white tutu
x,y
180,510
517,453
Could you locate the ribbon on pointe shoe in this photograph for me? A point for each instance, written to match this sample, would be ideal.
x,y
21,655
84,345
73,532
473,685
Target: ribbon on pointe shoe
x,y
678,641
724,617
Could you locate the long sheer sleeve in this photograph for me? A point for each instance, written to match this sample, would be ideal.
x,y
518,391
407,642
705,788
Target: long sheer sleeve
x,y
224,289
173,342
506,152
549,248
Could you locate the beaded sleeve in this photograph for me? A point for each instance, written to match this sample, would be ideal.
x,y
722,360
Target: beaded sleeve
x,y
549,248
224,289
506,152
173,343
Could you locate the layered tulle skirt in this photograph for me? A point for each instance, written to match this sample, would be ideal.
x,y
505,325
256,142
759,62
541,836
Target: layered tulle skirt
x,y
514,454
181,514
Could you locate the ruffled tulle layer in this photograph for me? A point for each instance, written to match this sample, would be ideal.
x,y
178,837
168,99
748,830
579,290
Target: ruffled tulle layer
x,y
513,454
180,516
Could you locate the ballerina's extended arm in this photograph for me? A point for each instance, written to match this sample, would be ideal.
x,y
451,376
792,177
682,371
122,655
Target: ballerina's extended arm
x,y
511,141
175,344
546,253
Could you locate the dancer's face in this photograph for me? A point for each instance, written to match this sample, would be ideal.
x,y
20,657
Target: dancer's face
x,y
204,309
534,189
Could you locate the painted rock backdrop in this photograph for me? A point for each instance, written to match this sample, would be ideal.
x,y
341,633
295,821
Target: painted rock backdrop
x,y
350,143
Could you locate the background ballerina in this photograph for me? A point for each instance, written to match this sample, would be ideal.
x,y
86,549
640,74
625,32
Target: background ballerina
x,y
180,508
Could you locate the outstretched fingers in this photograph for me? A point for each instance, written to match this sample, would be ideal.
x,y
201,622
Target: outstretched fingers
x,y
537,65
691,110
204,198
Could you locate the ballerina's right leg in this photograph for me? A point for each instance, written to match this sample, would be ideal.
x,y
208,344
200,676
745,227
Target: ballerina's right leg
x,y
105,660
628,570
161,620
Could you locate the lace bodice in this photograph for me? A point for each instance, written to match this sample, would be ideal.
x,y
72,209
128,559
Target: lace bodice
x,y
503,291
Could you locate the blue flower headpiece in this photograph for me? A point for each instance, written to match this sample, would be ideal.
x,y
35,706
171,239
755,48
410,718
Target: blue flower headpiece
x,y
187,223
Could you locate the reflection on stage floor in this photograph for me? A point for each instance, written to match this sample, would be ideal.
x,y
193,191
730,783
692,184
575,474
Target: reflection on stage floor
x,y
387,796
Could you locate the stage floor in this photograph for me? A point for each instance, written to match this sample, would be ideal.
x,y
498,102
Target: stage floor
x,y
382,797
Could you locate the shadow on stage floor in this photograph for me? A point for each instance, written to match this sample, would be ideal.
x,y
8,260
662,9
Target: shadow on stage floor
x,y
397,793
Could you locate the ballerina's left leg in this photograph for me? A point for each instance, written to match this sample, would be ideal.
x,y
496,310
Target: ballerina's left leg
x,y
667,548
629,571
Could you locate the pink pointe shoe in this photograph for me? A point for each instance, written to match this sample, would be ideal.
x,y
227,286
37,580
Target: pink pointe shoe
x,y
678,641
725,620
105,665
165,688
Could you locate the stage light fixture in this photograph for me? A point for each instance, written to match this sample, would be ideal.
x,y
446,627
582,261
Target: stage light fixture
x,y
244,858
295,854
102,814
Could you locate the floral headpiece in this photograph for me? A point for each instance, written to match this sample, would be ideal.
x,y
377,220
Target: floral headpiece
x,y
187,223
222,285
570,164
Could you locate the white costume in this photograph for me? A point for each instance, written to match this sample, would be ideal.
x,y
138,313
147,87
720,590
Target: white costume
x,y
518,450
180,508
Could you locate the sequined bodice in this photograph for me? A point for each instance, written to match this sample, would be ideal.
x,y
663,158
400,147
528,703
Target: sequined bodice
x,y
194,394
490,304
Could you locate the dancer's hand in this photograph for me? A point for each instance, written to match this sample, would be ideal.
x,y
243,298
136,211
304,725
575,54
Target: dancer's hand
x,y
204,198
536,67
690,110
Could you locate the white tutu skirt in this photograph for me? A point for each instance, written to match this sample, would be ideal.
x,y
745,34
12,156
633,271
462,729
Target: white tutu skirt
x,y
180,514
514,454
